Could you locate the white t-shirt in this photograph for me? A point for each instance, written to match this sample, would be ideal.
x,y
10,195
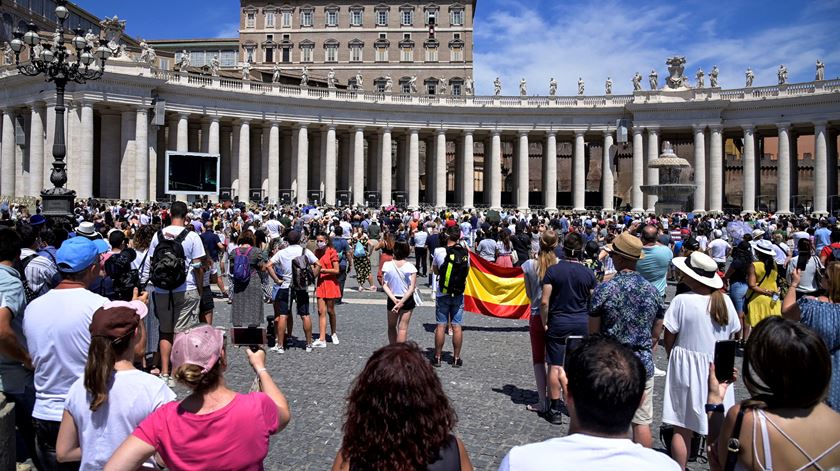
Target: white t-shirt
x,y
273,227
579,451
781,250
283,259
133,395
391,275
193,249
717,250
57,337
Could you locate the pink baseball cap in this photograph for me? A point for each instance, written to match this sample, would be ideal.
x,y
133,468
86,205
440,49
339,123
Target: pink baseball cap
x,y
138,306
200,346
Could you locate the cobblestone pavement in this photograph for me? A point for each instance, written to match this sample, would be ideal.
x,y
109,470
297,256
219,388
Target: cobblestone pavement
x,y
489,393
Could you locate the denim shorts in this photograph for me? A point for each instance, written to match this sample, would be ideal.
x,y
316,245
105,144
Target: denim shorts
x,y
283,297
738,295
450,308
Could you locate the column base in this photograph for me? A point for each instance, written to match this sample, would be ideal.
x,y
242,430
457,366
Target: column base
x,y
496,208
783,213
579,210
637,210
820,213
553,210
747,212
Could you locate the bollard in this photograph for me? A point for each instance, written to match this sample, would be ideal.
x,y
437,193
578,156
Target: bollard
x,y
7,434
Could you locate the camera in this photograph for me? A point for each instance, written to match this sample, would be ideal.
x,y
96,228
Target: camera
x,y
124,277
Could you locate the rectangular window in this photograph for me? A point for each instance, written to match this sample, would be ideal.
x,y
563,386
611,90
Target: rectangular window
x,y
430,16
306,54
431,88
198,58
332,18
305,19
269,55
382,18
456,89
332,54
356,18
250,20
457,17
457,54
355,54
405,87
269,37
269,19
431,54
287,19
164,64
381,54
407,18
407,54
227,58
287,55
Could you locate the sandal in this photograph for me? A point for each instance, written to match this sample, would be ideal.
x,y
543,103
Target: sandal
x,y
534,408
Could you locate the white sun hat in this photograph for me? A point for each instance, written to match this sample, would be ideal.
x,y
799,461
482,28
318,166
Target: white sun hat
x,y
701,268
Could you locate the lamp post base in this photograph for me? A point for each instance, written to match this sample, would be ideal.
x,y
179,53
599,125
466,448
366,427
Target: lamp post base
x,y
57,203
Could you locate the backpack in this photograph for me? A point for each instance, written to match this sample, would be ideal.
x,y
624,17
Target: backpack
x,y
241,266
359,250
20,266
169,264
454,270
302,275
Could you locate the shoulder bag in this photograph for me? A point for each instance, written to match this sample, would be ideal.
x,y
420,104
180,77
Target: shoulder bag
x,y
418,299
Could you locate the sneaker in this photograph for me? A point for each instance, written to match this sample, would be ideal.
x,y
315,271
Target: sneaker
x,y
319,344
457,363
658,373
334,338
309,349
277,349
554,416
170,382
436,362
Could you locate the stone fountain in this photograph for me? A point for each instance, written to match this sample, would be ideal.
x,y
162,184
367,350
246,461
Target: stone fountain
x,y
673,191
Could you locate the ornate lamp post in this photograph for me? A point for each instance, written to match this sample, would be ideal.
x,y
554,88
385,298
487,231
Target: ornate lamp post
x,y
58,65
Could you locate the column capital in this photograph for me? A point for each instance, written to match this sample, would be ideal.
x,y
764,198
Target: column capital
x,y
652,129
210,119
820,124
329,127
783,126
607,132
550,133
142,109
748,129
579,132
385,129
414,130
468,132
698,128
302,126
716,127
183,115
496,133
638,130
242,121
440,131
359,129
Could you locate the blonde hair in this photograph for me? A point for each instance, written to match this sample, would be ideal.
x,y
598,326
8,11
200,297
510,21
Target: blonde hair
x,y
718,309
832,272
546,257
192,377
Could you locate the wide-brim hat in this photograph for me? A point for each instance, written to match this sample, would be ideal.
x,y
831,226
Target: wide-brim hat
x,y
86,228
701,268
764,246
627,246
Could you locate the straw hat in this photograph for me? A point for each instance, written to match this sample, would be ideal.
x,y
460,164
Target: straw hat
x,y
701,268
627,245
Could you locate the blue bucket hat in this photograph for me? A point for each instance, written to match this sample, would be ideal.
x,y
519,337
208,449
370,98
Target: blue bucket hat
x,y
76,254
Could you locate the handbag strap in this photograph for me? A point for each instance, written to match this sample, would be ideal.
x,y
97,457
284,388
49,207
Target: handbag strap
x,y
402,277
733,447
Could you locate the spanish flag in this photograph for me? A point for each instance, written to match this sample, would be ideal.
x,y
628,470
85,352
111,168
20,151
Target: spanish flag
x,y
496,291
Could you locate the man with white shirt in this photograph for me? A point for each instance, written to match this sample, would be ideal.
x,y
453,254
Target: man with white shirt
x,y
177,309
719,249
605,383
273,226
55,327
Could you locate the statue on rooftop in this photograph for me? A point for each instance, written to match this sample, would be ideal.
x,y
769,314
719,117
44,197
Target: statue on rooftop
x,y
653,79
581,86
552,87
275,74
713,77
523,87
750,77
782,74
820,71
469,86
637,82
608,86
497,87
700,78
331,78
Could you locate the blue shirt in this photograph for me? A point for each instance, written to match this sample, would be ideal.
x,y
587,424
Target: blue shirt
x,y
822,238
13,376
341,246
654,266
824,319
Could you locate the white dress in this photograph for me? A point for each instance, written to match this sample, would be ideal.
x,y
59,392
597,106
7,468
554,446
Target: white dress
x,y
686,387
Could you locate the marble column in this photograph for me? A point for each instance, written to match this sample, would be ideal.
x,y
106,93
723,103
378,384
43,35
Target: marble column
x,y
748,199
385,168
7,166
183,138
358,185
496,171
329,176
520,169
84,163
49,139
234,159
274,162
109,155
172,132
302,164
831,145
638,170
607,178
820,169
128,147
205,136
213,145
224,157
716,168
141,155
264,157
72,144
429,194
414,168
372,162
783,170
244,160
652,177
700,168
440,169
579,172
155,168
467,171
36,149
193,139
549,168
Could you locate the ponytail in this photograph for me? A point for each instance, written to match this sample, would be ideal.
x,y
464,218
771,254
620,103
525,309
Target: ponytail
x,y
718,309
102,355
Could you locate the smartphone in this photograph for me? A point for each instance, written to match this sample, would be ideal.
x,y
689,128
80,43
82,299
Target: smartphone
x,y
573,342
248,336
725,359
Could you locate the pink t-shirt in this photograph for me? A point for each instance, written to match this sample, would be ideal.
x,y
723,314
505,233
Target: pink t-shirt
x,y
234,437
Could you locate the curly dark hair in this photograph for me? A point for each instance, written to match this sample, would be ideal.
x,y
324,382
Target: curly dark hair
x,y
398,417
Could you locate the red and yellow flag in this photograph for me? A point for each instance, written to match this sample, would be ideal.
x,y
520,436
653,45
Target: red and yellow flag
x,y
496,291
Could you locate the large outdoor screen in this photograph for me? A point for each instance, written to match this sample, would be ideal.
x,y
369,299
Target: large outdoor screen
x,y
190,173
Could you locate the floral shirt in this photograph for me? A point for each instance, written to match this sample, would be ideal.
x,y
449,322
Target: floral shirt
x,y
824,319
628,306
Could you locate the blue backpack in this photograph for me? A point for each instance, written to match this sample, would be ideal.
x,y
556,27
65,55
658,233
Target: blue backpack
x,y
359,250
242,266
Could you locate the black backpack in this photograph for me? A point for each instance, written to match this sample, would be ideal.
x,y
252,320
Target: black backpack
x,y
454,270
20,266
302,275
169,264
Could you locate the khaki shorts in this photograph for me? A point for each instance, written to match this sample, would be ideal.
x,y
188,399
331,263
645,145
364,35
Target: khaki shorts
x,y
184,314
644,414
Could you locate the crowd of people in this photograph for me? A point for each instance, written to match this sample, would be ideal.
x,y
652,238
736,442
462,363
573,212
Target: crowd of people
x,y
101,316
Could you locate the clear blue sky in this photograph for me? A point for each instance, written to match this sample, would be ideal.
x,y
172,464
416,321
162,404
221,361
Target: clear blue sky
x,y
540,39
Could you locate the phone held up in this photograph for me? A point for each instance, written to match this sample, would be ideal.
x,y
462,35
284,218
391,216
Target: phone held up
x,y
252,337
725,359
